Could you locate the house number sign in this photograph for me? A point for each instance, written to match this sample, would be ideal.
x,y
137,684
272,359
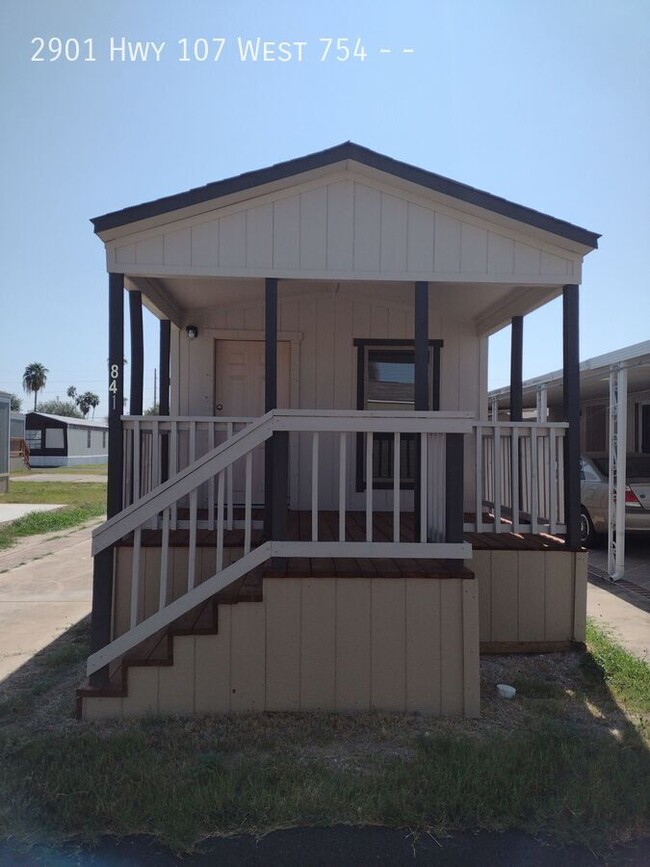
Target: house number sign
x,y
112,385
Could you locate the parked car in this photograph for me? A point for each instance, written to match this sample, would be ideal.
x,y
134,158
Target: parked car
x,y
594,473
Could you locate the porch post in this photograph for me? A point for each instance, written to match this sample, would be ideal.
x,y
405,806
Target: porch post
x,y
102,603
115,392
137,353
516,368
276,449
571,382
163,399
421,386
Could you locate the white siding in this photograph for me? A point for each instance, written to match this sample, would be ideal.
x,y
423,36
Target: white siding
x,y
346,228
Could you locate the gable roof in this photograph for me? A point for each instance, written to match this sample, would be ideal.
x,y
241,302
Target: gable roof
x,y
346,151
99,424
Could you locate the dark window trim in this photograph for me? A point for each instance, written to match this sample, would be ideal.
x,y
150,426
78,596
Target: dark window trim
x,y
361,343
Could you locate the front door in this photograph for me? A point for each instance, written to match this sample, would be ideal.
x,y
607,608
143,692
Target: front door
x,y
239,392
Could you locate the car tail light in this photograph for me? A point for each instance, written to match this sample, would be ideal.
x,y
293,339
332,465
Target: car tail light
x,y
631,498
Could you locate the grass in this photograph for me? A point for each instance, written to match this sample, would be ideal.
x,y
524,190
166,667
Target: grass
x,y
82,501
566,758
83,469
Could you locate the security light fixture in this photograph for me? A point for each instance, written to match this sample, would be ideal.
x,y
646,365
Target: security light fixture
x,y
192,332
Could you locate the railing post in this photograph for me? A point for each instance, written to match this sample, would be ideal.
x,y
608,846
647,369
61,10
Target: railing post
x,y
454,487
163,401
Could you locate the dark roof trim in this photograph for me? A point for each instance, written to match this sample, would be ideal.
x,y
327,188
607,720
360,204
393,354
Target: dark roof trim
x,y
365,156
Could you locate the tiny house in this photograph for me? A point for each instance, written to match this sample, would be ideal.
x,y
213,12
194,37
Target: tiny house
x,y
323,515
62,441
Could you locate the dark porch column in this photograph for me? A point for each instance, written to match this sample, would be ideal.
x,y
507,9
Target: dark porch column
x,y
137,353
422,390
571,383
276,449
102,605
163,400
516,368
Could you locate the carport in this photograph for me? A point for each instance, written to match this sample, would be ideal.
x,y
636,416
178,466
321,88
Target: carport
x,y
614,422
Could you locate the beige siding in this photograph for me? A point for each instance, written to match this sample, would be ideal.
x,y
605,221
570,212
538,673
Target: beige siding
x,y
346,227
531,596
324,363
333,644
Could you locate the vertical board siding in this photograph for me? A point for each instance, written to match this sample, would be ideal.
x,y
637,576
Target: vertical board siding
x,y
559,596
286,233
321,644
318,644
344,226
505,595
176,682
283,628
248,657
394,242
212,664
353,637
424,651
531,600
313,230
388,644
340,226
452,689
367,229
471,661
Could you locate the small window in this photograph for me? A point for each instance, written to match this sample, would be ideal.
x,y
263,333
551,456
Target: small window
x,y
88,438
103,439
387,383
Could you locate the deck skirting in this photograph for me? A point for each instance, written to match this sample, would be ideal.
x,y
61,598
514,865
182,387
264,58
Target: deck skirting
x,y
331,644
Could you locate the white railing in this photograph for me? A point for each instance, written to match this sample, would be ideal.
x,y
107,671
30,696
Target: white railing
x,y
156,508
519,477
157,448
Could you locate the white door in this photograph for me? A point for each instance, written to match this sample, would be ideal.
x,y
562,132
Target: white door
x,y
239,391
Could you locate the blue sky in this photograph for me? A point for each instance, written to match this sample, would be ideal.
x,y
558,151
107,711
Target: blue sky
x,y
544,103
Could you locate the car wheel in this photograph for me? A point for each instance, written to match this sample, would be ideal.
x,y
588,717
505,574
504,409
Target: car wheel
x,y
587,532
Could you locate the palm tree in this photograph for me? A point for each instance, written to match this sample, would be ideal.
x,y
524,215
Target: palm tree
x,y
34,379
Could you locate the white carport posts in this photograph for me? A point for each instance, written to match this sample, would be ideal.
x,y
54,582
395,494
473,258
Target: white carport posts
x,y
617,471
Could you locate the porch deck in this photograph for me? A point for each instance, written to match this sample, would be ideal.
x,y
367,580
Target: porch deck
x,y
300,529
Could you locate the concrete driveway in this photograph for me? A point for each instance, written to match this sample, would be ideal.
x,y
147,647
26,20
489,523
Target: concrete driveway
x,y
45,587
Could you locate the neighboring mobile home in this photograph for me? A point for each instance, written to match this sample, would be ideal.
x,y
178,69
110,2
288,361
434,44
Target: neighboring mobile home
x,y
323,516
62,441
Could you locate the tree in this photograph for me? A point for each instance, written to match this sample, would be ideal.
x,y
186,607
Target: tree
x,y
84,401
16,403
59,407
34,379
154,409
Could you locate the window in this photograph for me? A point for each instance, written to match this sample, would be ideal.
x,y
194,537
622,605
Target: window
x,y
386,382
88,438
34,439
644,427
103,439
54,438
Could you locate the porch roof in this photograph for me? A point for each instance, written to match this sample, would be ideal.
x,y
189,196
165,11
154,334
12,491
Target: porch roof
x,y
337,154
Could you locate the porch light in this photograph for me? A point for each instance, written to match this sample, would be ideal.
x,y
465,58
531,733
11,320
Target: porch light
x,y
192,332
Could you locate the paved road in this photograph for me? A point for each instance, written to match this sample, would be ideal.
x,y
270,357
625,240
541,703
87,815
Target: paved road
x,y
637,558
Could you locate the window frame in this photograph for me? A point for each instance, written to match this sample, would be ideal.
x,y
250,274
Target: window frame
x,y
363,345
